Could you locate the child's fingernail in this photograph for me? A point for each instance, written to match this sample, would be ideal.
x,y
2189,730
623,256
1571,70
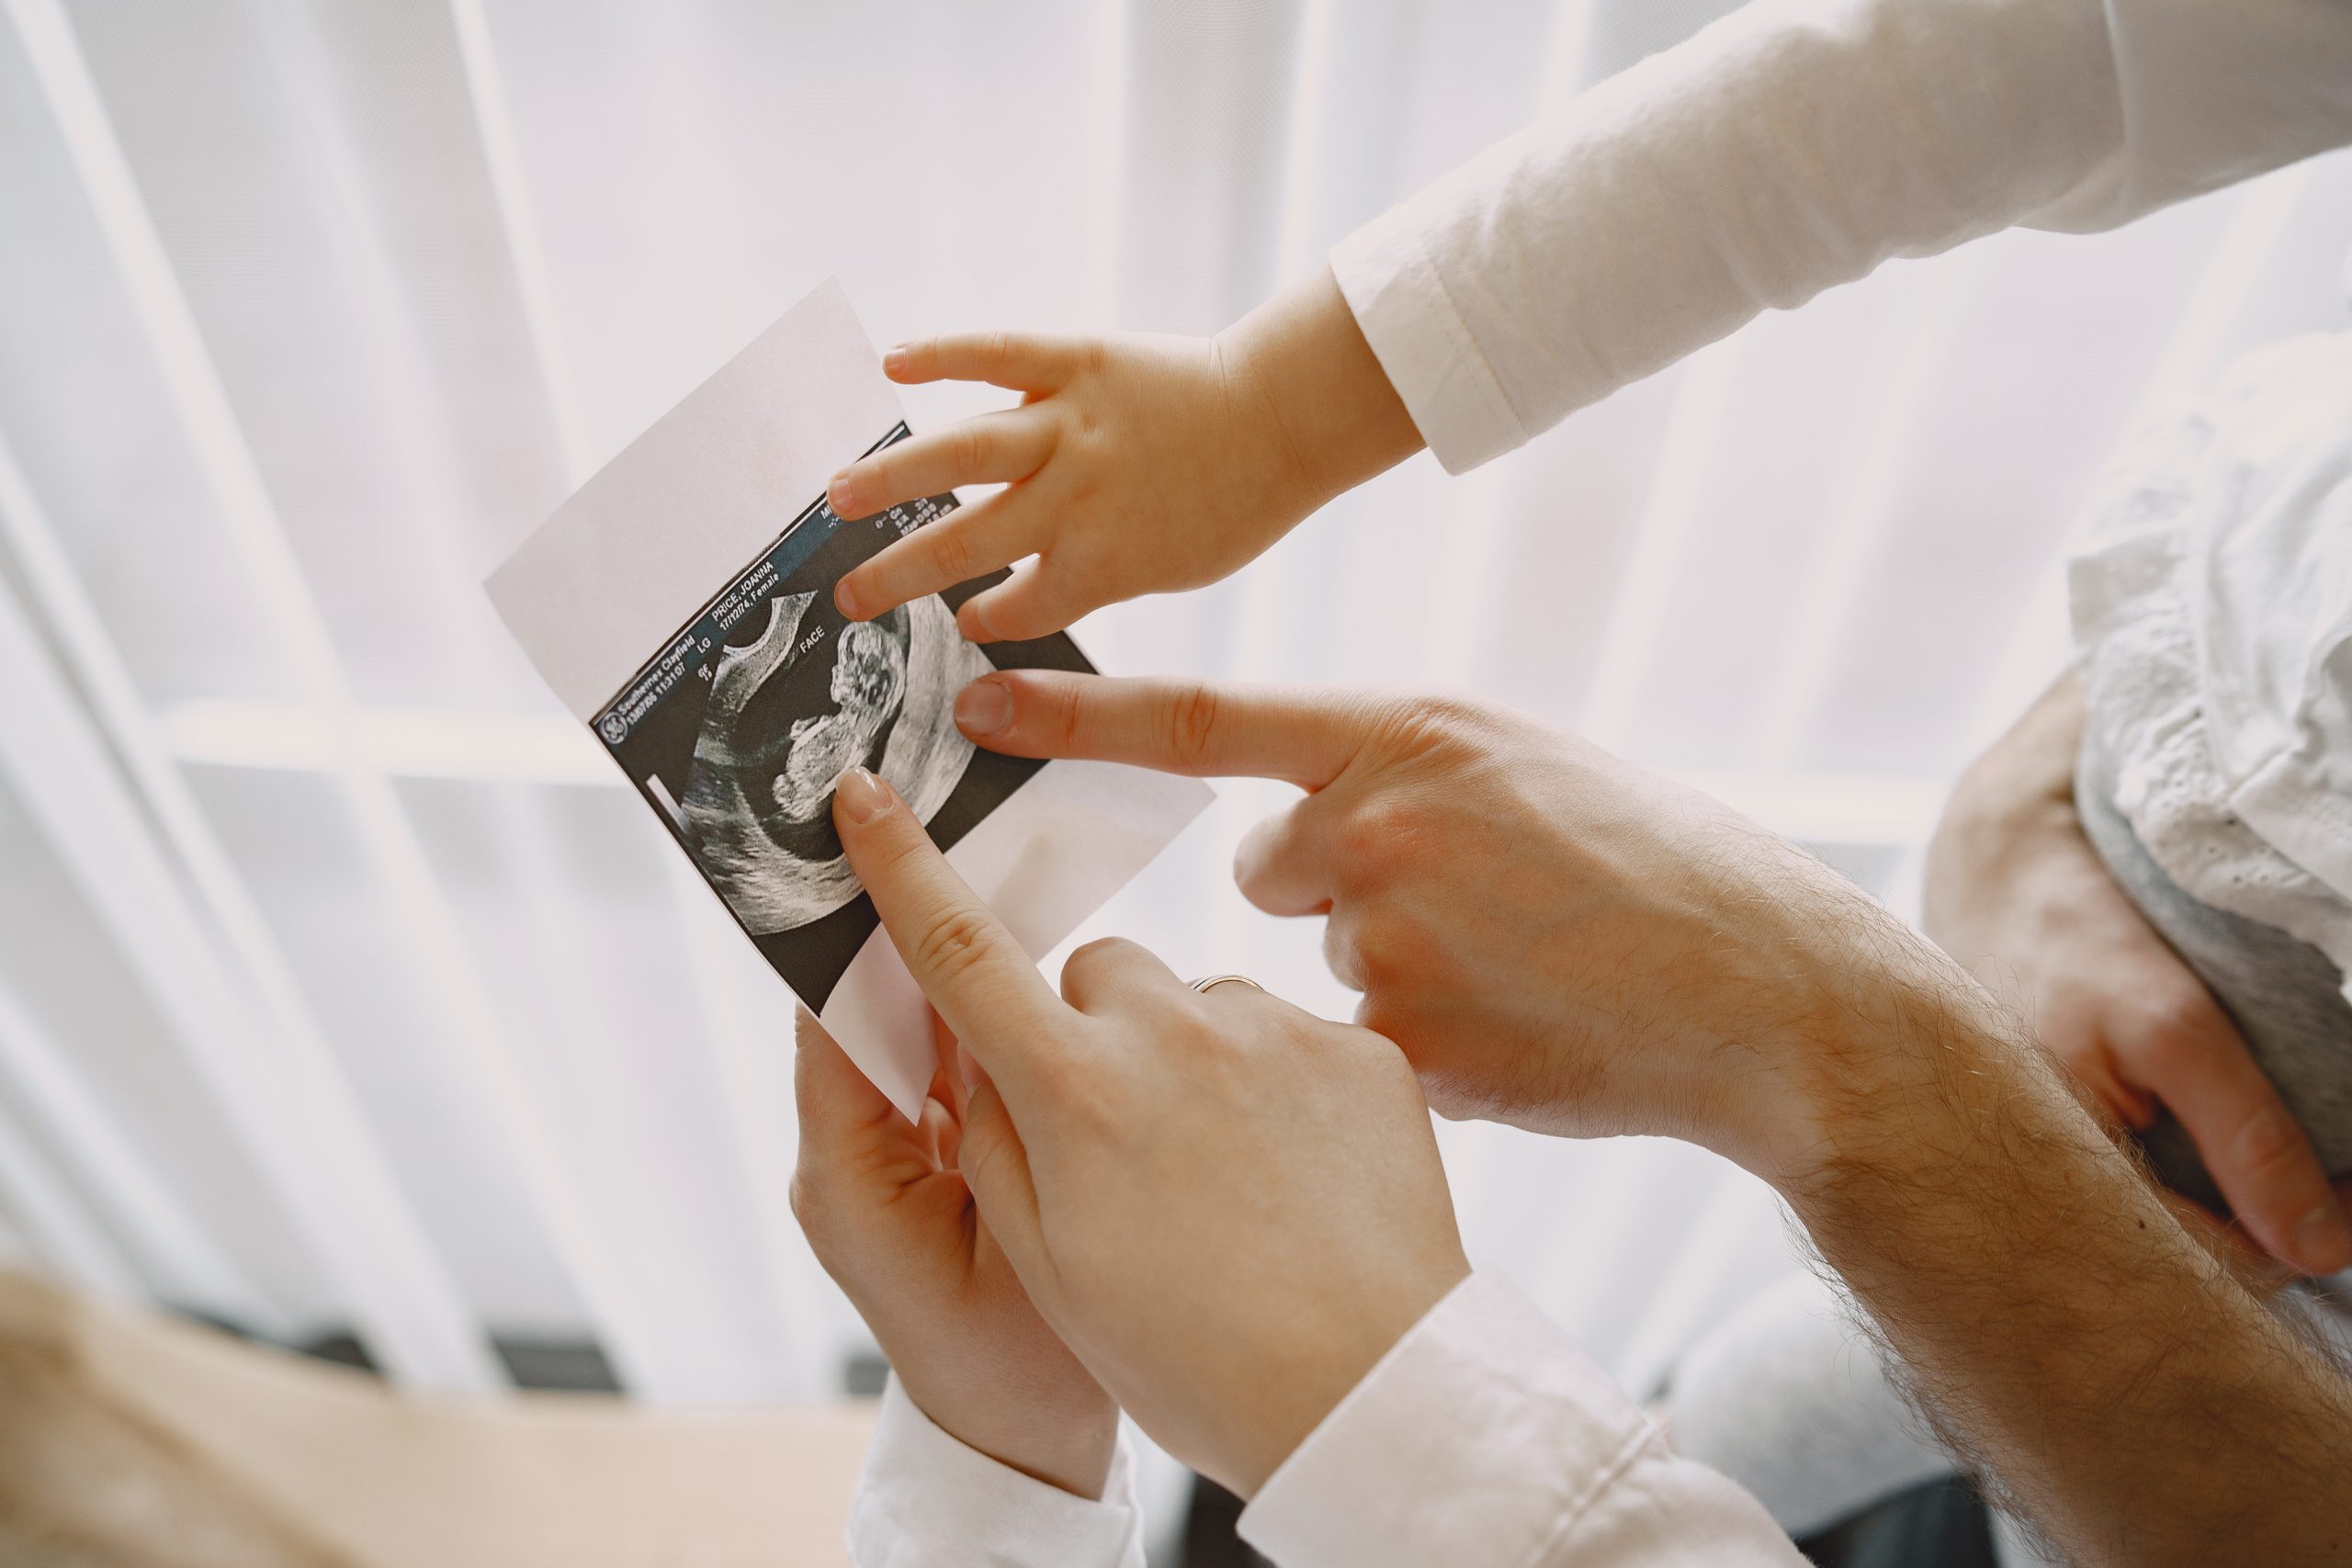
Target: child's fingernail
x,y
969,621
842,495
968,1068
984,708
895,360
2323,1241
845,600
864,797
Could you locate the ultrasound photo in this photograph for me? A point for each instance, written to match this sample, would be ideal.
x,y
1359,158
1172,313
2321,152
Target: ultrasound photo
x,y
788,716
739,728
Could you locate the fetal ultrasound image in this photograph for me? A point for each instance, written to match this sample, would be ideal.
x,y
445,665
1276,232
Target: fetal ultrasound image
x,y
789,714
739,728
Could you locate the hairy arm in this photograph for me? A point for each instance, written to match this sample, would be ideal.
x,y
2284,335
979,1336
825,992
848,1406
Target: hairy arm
x,y
1561,941
2118,1385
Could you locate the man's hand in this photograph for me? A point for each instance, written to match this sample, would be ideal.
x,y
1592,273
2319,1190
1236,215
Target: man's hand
x,y
1230,1209
1564,943
1134,465
2016,893
890,1218
1556,939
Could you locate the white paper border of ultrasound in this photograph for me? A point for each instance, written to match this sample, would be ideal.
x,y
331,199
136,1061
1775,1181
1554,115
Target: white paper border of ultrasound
x,y
600,586
1053,853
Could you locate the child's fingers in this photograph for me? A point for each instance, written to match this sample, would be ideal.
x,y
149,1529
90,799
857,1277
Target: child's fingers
x,y
968,543
1021,362
992,448
1038,600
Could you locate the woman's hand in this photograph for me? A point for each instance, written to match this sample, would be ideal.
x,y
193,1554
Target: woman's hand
x,y
891,1219
1134,465
1230,1209
2016,893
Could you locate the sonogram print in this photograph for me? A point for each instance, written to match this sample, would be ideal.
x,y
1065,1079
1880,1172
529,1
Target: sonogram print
x,y
812,697
739,727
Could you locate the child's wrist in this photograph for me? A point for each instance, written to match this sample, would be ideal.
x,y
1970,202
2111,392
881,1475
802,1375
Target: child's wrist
x,y
1302,370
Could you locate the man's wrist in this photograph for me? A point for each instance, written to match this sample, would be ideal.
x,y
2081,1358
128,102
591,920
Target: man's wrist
x,y
1891,1075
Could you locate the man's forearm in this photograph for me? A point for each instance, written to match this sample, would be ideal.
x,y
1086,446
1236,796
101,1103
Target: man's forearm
x,y
2057,1323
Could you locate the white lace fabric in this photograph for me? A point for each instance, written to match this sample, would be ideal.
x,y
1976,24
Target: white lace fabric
x,y
2211,585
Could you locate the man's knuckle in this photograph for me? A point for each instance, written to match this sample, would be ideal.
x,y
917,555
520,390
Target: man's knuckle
x,y
2268,1143
2185,1019
1375,834
2175,1039
1343,956
1438,713
1378,959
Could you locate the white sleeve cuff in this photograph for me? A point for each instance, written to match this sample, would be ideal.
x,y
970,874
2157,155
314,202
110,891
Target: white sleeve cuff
x,y
1427,350
1485,1436
926,1501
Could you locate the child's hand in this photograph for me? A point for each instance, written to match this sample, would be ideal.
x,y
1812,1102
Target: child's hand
x,y
1135,464
891,1219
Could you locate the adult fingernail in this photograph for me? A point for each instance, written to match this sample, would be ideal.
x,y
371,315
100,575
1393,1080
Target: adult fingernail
x,y
972,624
862,796
984,708
845,600
842,495
2322,1240
895,360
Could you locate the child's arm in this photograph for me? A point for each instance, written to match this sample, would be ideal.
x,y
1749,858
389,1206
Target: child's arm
x,y
1793,146
1136,464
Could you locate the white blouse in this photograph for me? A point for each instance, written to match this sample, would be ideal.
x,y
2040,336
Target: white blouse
x,y
1792,147
1483,1436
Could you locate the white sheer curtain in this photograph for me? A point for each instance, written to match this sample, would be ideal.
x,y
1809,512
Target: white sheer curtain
x,y
340,985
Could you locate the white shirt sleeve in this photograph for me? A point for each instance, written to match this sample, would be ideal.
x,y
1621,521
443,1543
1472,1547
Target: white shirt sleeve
x,y
1795,145
927,1501
1485,1436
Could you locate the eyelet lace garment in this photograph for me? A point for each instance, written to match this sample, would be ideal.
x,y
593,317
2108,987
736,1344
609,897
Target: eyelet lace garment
x,y
2211,594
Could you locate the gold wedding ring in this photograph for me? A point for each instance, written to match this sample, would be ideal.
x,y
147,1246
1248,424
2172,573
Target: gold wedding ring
x,y
1212,982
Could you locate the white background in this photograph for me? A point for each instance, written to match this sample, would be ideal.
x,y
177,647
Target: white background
x,y
339,982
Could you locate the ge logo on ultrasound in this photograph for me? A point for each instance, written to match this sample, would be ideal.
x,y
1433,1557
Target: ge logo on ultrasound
x,y
613,727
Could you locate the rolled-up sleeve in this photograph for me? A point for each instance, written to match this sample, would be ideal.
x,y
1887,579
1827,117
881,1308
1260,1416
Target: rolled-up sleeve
x,y
1795,145
927,1501
1484,1436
